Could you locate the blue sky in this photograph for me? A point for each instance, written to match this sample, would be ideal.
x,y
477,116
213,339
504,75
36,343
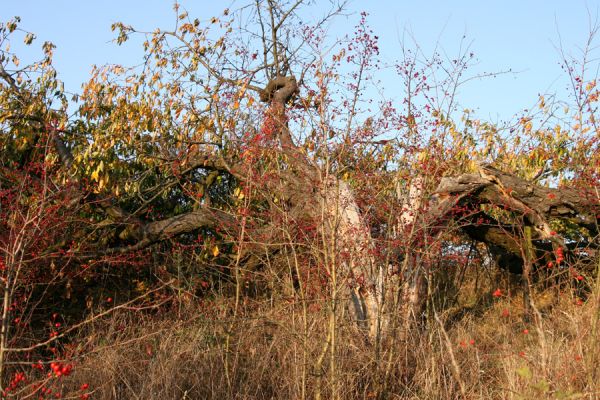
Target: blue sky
x,y
520,35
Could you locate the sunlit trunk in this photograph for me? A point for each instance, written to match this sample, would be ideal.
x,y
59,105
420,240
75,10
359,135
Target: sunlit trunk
x,y
413,289
364,274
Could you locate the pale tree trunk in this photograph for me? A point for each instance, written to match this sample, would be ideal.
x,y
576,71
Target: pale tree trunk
x,y
367,278
364,275
413,276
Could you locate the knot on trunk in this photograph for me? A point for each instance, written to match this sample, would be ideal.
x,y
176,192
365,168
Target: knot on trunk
x,y
279,90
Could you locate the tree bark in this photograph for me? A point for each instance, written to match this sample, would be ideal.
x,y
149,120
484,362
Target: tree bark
x,y
532,204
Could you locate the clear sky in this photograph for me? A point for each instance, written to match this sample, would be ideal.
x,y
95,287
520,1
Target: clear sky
x,y
518,34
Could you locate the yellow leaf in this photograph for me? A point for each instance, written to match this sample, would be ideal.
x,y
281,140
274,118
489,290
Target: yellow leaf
x,y
215,251
95,175
590,85
238,193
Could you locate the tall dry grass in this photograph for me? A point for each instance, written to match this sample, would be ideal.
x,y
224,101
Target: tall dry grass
x,y
479,347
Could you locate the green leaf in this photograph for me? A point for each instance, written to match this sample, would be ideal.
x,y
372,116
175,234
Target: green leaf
x,y
542,387
561,395
524,372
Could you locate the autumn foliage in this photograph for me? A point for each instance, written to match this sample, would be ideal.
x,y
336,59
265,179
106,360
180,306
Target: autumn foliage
x,y
245,214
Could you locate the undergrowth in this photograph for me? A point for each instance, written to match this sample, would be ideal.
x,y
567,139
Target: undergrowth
x,y
495,348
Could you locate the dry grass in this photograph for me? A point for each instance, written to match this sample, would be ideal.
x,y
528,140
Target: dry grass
x,y
483,351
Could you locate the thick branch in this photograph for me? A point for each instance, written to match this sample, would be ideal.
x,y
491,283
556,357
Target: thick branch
x,y
279,91
535,204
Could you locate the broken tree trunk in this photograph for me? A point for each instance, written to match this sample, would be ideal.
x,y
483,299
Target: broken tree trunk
x,y
465,197
347,238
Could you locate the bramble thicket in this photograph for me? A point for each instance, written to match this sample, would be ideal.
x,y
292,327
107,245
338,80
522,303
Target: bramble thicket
x,y
250,213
